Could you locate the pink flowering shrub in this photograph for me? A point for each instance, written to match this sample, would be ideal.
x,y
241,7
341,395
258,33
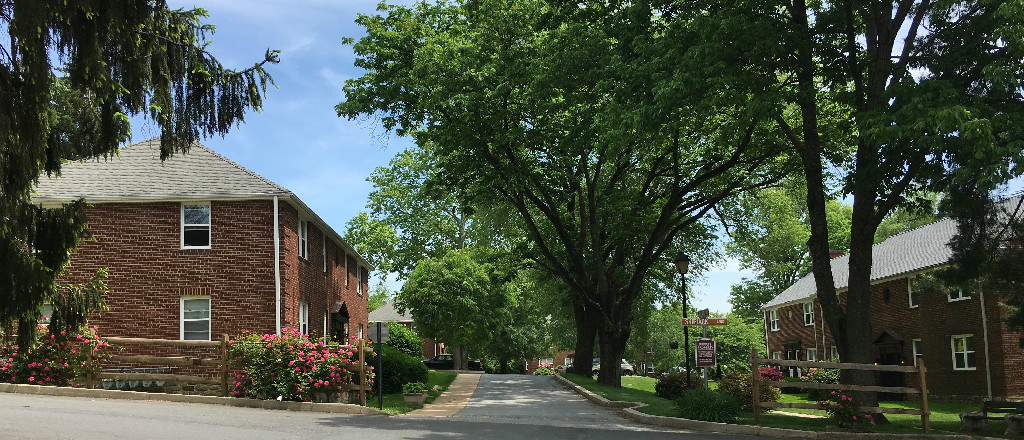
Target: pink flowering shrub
x,y
59,358
290,366
770,373
843,411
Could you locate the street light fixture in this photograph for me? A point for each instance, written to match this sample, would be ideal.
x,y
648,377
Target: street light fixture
x,y
682,266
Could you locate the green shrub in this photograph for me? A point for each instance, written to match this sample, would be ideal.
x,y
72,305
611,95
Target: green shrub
x,y
542,371
844,412
708,406
820,375
289,366
399,369
736,383
671,386
413,388
492,366
404,340
791,390
55,358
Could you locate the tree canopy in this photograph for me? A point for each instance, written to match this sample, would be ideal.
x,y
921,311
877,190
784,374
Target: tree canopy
x,y
560,113
71,75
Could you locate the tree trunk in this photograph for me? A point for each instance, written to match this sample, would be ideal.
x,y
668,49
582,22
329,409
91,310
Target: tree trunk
x,y
460,357
613,345
586,331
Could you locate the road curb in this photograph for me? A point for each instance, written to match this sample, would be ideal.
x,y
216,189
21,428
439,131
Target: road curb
x,y
335,408
629,410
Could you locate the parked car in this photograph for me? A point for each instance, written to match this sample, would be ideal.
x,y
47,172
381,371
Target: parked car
x,y
447,362
563,368
625,368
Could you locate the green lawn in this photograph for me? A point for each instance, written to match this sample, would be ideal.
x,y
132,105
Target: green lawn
x,y
945,417
395,403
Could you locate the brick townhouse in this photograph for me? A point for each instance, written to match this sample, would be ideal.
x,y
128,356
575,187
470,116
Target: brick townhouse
x,y
961,335
198,246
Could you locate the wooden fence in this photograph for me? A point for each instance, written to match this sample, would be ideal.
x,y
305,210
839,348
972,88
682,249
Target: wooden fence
x,y
221,361
756,381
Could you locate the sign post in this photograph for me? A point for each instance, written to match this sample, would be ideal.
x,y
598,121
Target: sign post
x,y
379,334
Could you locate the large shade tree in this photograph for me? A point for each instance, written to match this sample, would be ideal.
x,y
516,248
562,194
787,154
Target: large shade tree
x,y
71,74
563,113
934,92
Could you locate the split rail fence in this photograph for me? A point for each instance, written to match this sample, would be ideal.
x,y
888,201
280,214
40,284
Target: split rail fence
x,y
756,380
220,361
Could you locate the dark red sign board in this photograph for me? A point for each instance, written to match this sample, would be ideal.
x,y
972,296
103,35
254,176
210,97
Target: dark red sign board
x,y
705,353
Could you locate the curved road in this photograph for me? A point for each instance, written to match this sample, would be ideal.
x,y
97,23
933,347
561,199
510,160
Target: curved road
x,y
501,407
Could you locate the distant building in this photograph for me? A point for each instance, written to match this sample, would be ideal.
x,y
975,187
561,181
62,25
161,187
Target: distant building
x,y
198,246
388,313
961,336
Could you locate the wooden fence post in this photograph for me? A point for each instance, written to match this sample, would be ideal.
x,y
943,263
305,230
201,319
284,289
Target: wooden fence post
x,y
224,366
362,373
755,386
925,414
90,377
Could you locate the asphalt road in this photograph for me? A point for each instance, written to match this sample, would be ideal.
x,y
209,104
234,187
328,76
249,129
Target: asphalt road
x,y
502,407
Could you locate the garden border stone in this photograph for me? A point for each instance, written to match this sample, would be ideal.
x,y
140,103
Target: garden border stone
x,y
629,410
338,408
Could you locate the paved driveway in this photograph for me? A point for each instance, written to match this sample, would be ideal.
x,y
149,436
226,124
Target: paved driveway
x,y
538,400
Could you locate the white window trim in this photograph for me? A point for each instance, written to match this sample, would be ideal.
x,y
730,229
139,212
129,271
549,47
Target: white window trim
x,y
953,352
181,226
914,343
812,354
834,353
181,317
777,355
806,306
359,280
962,297
303,239
773,320
303,317
360,331
910,294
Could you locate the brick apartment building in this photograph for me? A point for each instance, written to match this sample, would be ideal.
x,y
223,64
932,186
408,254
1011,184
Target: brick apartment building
x,y
199,246
961,335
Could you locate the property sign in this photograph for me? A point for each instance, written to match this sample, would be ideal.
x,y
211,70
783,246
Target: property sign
x,y
705,353
708,321
378,332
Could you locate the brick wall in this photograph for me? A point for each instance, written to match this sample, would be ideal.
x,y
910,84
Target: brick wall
x,y
934,321
139,244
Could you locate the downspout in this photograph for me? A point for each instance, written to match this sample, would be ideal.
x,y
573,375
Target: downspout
x,y
277,269
984,332
821,313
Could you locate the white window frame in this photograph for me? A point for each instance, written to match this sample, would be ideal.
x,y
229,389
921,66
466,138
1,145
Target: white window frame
x,y
208,319
952,348
812,354
773,320
834,351
303,317
209,226
303,239
359,280
961,296
808,313
916,349
777,355
360,331
911,294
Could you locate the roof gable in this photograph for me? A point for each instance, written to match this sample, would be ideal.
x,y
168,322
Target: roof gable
x,y
388,313
137,173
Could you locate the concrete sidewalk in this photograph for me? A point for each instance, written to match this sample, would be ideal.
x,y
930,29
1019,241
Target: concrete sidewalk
x,y
453,400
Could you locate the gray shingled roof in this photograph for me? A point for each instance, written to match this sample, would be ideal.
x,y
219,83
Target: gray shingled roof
x,y
138,174
912,251
387,313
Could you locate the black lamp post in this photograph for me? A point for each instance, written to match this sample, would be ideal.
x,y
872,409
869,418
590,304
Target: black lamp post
x,y
683,265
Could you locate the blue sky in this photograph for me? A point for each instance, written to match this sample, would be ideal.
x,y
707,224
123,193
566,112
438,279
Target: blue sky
x,y
298,141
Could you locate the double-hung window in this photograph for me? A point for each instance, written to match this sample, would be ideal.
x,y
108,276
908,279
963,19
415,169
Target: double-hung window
x,y
359,280
195,318
773,319
195,226
957,295
834,354
303,239
812,354
912,287
304,317
963,352
809,313
916,346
